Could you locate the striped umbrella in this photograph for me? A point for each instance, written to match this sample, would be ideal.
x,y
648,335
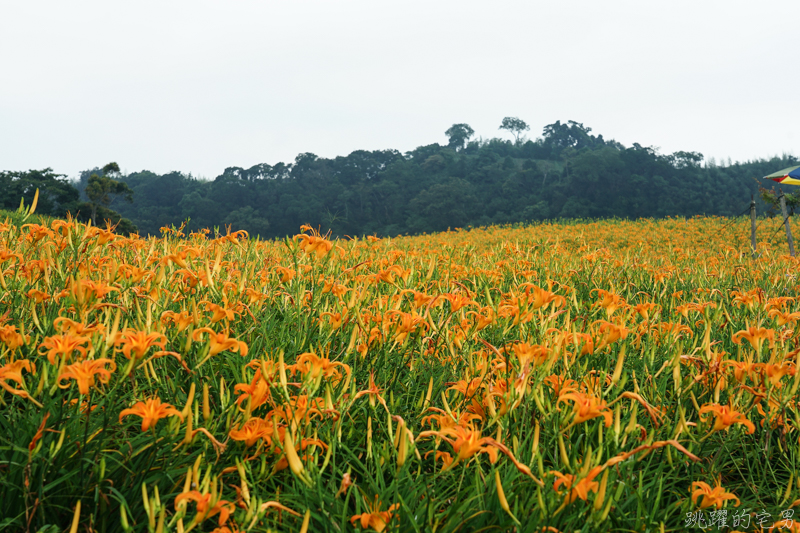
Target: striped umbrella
x,y
788,176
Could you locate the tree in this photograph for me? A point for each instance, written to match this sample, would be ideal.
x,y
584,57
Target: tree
x,y
558,137
56,194
686,159
459,134
101,189
515,126
450,203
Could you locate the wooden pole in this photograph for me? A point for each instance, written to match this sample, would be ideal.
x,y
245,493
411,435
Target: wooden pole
x,y
786,223
753,225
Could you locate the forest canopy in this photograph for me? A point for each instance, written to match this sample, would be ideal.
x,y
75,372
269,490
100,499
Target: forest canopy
x,y
568,172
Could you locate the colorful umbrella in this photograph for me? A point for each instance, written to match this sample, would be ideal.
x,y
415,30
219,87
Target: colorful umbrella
x,y
788,176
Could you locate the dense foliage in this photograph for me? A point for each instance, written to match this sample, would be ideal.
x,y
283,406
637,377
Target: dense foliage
x,y
615,376
57,195
567,173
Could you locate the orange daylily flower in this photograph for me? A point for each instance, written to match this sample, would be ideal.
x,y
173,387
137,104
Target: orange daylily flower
x,y
220,342
219,312
725,417
38,296
468,390
13,372
484,318
11,337
103,235
644,309
775,416
84,373
586,407
65,345
515,307
299,409
84,288
775,372
232,237
778,303
373,391
530,356
578,488
610,301
258,391
716,496
67,325
675,329
313,366
458,301
467,441
421,299
136,343
609,333
336,320
256,429
337,289
314,244
750,298
742,369
37,232
445,457
208,505
782,318
285,274
375,519
405,324
39,433
181,320
151,411
541,298
560,385
755,336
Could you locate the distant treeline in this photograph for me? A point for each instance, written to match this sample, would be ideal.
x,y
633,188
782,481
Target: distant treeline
x,y
567,173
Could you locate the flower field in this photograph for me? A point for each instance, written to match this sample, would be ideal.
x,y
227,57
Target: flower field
x,y
614,376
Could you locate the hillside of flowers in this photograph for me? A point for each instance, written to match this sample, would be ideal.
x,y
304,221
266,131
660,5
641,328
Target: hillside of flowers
x,y
606,376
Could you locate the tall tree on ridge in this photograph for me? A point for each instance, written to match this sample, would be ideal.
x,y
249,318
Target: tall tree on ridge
x,y
514,125
459,134
100,189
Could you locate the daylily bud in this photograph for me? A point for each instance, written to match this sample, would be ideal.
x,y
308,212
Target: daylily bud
x,y
282,373
295,464
601,492
306,520
76,518
563,450
123,518
161,516
206,407
501,495
369,437
243,476
188,407
618,368
187,439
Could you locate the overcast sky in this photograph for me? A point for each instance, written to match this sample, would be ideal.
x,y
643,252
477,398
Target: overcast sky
x,y
198,86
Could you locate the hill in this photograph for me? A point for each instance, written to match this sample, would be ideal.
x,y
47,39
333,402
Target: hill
x,y
568,172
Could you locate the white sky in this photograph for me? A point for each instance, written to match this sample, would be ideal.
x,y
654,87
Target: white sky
x,y
198,86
